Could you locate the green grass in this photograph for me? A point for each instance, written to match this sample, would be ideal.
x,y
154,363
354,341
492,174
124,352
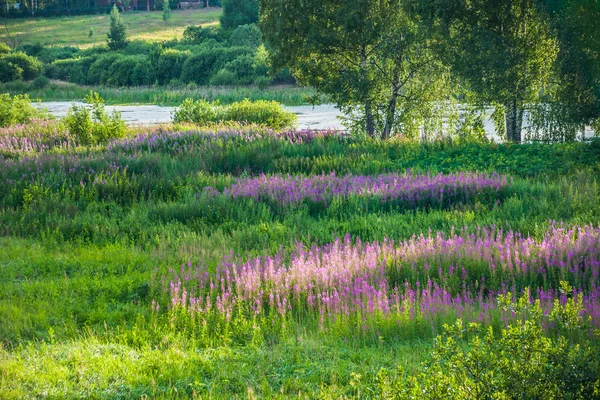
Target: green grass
x,y
59,91
73,31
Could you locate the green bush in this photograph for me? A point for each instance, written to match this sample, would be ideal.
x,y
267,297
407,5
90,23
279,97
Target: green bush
x,y
18,110
224,78
522,363
9,72
4,49
143,73
268,113
198,68
239,12
246,36
121,71
98,71
92,124
201,34
170,65
40,82
242,69
262,82
71,70
51,54
30,66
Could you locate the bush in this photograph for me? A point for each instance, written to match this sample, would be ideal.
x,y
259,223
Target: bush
x,y
31,67
143,73
239,12
49,55
521,363
40,82
92,124
4,49
18,110
242,69
121,71
170,65
72,70
246,36
98,71
201,34
224,78
9,72
268,113
262,82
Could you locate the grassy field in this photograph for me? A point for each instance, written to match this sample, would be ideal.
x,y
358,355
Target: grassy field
x,y
111,255
61,91
74,31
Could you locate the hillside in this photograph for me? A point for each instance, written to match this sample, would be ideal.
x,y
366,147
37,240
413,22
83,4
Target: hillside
x,y
74,31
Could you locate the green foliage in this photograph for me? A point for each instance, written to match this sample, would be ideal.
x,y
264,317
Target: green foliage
x,y
166,11
29,66
92,124
224,77
170,65
268,113
4,49
371,58
117,35
18,110
9,72
121,72
246,36
200,34
521,362
239,12
40,82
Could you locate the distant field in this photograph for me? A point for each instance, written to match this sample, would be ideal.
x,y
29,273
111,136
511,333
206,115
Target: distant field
x,y
74,31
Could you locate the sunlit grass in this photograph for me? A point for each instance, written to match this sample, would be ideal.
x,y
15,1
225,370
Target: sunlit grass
x,y
74,31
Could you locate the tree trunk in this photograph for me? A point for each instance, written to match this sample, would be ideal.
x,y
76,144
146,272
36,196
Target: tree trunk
x,y
514,120
390,112
369,124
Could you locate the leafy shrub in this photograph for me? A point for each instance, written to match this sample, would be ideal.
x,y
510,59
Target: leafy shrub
x,y
51,54
262,82
201,34
246,36
170,65
242,69
72,70
143,73
30,66
32,49
4,49
92,124
140,47
239,12
268,113
523,362
198,68
18,110
224,77
40,82
121,71
9,72
98,71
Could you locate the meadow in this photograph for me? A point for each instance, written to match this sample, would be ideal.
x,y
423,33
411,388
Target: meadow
x,y
75,31
244,262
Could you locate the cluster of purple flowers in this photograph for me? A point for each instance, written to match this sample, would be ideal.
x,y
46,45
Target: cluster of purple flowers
x,y
34,138
409,189
345,279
